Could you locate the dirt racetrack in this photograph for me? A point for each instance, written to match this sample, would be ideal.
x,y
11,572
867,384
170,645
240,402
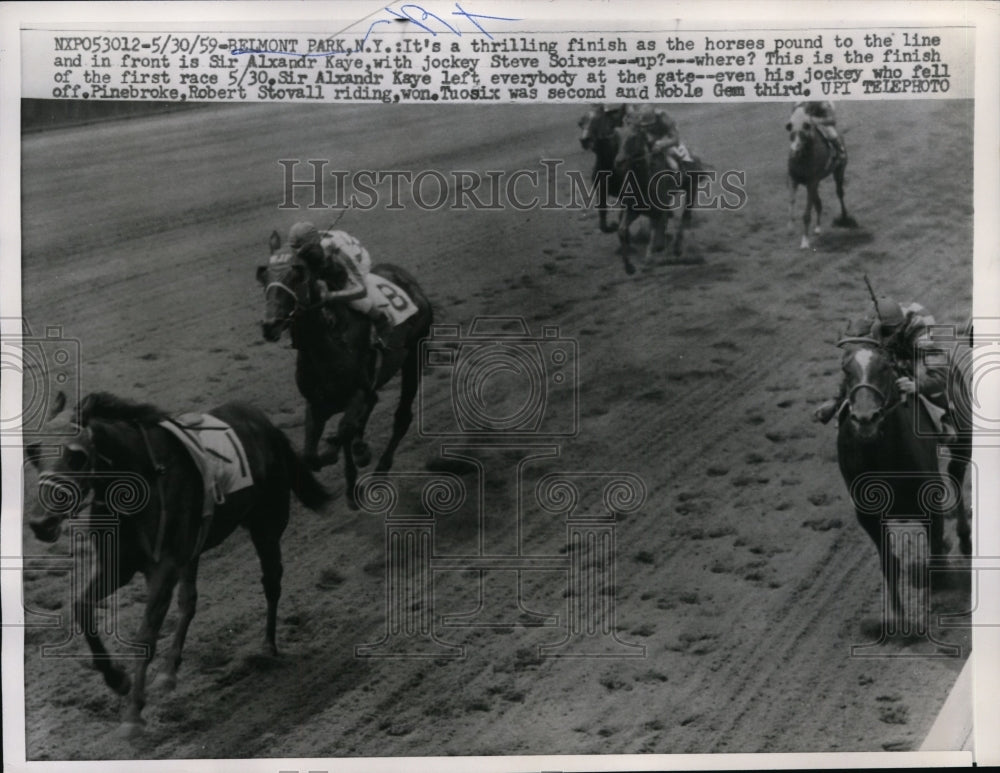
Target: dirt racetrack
x,y
744,575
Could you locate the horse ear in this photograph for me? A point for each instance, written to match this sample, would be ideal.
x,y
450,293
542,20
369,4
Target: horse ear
x,y
274,242
58,405
34,453
83,410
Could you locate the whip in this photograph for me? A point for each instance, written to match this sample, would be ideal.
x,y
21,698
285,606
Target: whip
x,y
871,292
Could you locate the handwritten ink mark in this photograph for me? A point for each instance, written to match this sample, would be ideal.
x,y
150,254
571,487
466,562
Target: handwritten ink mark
x,y
403,15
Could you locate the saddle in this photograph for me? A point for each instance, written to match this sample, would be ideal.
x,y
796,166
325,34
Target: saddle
x,y
837,152
217,453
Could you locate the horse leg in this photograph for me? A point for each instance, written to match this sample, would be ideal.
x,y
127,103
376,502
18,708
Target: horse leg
x,y
844,220
160,588
623,237
266,539
657,232
310,444
350,423
360,449
807,216
793,188
961,455
817,204
681,222
601,181
187,602
404,411
316,419
889,564
84,616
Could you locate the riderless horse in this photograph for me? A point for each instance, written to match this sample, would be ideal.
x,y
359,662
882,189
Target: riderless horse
x,y
811,159
134,462
337,368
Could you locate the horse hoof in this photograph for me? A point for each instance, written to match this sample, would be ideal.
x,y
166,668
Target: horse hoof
x,y
128,731
362,455
118,681
804,244
817,230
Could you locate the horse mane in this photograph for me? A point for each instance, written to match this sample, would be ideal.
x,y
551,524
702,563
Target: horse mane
x,y
108,407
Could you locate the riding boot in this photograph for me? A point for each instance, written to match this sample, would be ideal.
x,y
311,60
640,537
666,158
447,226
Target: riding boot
x,y
382,329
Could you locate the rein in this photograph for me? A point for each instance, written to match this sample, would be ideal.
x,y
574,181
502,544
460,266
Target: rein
x,y
50,478
888,403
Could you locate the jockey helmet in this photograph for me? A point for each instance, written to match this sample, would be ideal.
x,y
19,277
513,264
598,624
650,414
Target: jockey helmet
x,y
647,116
890,314
302,234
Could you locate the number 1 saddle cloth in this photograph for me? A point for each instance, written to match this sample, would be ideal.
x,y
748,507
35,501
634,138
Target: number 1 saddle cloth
x,y
217,452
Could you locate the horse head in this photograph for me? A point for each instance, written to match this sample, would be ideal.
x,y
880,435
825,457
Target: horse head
x,y
632,148
870,375
64,477
286,281
801,132
599,126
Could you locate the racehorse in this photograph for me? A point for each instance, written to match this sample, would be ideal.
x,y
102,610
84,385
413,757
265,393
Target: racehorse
x,y
118,450
890,467
651,188
599,132
337,370
811,159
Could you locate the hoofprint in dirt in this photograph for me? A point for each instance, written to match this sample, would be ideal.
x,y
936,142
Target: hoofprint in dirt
x,y
744,574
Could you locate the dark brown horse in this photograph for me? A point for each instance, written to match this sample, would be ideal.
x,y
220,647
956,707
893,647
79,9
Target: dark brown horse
x,y
114,443
652,188
337,370
811,159
890,467
599,132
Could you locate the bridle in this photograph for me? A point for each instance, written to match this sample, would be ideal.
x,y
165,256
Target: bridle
x,y
56,482
887,403
300,306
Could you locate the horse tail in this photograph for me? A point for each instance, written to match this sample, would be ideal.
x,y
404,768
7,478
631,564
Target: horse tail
x,y
309,491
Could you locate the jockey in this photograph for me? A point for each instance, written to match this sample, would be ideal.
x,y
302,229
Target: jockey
x,y
901,329
662,136
825,120
339,247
